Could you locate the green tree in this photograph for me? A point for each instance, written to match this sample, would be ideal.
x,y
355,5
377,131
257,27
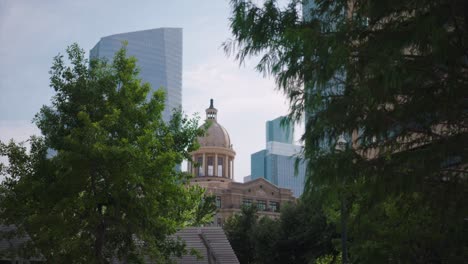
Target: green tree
x,y
392,75
110,189
239,230
265,238
304,233
300,235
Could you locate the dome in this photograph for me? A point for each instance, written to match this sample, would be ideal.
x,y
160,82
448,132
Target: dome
x,y
216,135
214,160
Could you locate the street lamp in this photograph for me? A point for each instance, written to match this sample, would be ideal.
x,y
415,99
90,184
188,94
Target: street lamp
x,y
341,147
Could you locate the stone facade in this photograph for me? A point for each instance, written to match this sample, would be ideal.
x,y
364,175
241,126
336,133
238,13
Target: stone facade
x,y
231,196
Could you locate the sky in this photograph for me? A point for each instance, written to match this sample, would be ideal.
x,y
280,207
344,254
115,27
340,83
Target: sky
x,y
32,32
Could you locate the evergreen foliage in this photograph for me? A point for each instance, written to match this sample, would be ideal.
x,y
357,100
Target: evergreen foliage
x,y
300,235
393,77
101,183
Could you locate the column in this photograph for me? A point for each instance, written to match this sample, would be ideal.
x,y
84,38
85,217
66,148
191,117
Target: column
x,y
216,165
232,176
204,165
225,166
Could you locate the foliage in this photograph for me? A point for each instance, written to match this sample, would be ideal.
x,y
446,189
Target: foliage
x,y
100,183
305,233
300,235
392,77
328,259
239,229
205,210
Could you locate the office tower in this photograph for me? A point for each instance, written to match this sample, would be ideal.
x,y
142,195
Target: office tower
x,y
159,57
279,131
276,163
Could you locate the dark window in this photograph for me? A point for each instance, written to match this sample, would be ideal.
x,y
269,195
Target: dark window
x,y
247,202
274,206
200,166
218,202
220,167
261,205
210,166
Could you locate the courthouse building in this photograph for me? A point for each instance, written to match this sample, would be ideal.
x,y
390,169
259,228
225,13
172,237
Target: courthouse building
x,y
213,167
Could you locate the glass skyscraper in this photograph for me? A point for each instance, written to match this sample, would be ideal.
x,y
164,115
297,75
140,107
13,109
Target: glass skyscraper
x,y
159,57
278,132
276,163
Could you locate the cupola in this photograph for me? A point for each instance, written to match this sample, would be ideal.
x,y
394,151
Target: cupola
x,y
215,157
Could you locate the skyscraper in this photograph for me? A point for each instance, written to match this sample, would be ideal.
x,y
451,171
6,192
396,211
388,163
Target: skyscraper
x,y
278,132
159,57
276,163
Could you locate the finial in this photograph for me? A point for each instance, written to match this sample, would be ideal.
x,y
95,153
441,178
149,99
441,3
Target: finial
x,y
211,111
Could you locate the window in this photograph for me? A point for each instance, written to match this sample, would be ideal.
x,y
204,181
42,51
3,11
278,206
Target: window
x,y
261,205
220,167
218,202
247,202
200,166
274,206
210,166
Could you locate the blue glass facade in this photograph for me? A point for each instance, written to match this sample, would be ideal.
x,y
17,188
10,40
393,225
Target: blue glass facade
x,y
159,58
276,163
257,165
281,168
275,131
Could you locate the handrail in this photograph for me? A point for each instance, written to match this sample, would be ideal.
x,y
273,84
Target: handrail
x,y
210,252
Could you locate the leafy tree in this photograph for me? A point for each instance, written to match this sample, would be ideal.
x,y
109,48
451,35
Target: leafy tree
x,y
265,238
239,230
100,183
305,233
392,75
300,235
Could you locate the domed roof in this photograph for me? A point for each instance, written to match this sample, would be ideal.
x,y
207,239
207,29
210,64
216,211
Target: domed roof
x,y
216,135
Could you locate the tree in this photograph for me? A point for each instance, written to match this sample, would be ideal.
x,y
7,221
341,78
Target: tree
x,y
100,183
300,235
239,230
392,75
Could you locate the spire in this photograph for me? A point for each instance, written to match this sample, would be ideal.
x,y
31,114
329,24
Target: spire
x,y
211,112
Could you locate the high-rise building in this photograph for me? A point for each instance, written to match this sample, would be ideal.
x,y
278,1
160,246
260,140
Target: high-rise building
x,y
279,131
277,162
159,57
